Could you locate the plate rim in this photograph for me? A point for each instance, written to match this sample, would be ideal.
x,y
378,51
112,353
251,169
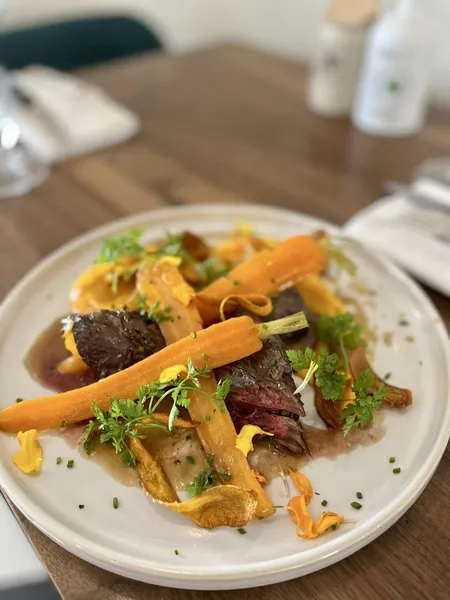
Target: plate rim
x,y
281,569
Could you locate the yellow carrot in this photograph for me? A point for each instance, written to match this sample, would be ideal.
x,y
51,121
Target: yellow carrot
x,y
216,429
225,342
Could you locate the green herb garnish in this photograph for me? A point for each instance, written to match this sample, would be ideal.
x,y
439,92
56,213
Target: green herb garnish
x,y
359,495
176,552
58,460
190,459
356,505
396,470
359,412
242,531
126,418
324,502
209,270
115,502
205,356
392,459
226,475
81,506
116,249
70,464
340,331
19,400
327,368
173,246
204,480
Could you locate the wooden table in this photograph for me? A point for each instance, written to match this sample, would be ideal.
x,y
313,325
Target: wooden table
x,y
230,125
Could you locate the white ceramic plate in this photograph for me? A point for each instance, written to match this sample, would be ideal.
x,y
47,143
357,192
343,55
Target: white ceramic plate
x,y
138,540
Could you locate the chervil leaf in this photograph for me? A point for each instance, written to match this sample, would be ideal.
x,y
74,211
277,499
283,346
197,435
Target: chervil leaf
x,y
210,269
360,412
125,245
204,480
173,246
340,330
301,359
222,391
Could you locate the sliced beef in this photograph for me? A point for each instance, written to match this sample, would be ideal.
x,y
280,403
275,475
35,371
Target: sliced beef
x,y
263,389
111,340
287,431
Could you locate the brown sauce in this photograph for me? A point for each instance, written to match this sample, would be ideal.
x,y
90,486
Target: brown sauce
x,y
43,357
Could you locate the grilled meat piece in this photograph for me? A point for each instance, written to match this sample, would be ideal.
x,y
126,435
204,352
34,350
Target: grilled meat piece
x,y
111,340
288,434
263,389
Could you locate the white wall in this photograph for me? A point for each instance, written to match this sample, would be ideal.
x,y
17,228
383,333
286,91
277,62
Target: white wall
x,y
285,26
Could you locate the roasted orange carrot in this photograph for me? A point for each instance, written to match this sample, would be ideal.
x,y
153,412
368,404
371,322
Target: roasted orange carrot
x,y
265,272
223,343
215,430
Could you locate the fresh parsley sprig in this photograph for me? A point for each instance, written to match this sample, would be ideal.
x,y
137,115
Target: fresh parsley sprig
x,y
155,313
340,331
125,245
331,380
173,246
126,419
359,412
328,374
204,480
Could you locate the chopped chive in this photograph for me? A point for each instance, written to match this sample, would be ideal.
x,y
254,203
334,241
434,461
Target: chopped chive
x,y
242,531
265,327
19,400
81,506
214,410
141,349
188,437
167,309
403,322
359,495
115,502
193,335
278,506
58,460
176,552
334,527
209,458
207,419
392,459
190,459
388,376
63,423
396,471
70,464
324,502
205,356
236,282
356,505
317,493
176,461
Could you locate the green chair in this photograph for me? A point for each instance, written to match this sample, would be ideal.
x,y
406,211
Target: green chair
x,y
68,45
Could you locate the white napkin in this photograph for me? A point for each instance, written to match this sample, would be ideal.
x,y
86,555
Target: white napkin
x,y
416,238
67,117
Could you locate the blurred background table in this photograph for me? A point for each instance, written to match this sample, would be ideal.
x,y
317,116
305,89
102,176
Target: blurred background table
x,y
230,125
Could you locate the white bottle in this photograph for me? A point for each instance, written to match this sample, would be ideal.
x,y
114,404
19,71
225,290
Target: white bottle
x,y
339,53
393,90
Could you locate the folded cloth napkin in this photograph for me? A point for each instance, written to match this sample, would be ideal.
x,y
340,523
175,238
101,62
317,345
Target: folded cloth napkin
x,y
416,237
61,116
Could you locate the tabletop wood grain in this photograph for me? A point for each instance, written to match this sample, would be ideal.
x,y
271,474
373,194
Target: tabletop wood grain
x,y
230,125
